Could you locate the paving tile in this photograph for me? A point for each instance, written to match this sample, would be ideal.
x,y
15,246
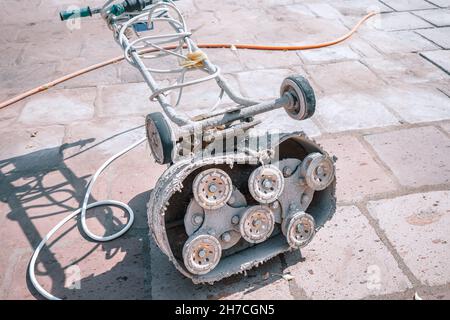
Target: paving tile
x,y
405,68
230,61
438,17
347,253
32,147
401,21
330,54
14,285
324,10
252,59
417,157
441,3
88,144
125,99
262,84
358,175
107,75
17,79
416,104
86,270
9,115
408,5
59,107
446,127
440,36
343,77
440,58
342,112
397,41
417,225
359,8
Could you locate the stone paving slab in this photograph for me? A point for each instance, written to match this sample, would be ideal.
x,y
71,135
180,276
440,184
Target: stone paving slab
x,y
446,127
417,225
59,107
440,17
408,5
397,21
441,3
358,175
440,58
440,36
416,104
42,143
405,68
344,112
358,8
262,84
343,77
125,100
340,258
398,41
417,157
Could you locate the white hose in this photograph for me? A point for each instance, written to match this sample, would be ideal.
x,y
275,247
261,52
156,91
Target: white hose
x,y
85,206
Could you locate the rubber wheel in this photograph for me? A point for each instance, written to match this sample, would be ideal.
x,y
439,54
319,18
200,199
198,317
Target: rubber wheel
x,y
305,99
159,137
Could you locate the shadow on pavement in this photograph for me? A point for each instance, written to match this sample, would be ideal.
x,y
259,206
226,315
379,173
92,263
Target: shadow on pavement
x,y
130,274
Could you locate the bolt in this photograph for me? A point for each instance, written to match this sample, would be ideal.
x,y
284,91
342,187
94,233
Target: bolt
x,y
287,172
202,253
232,200
235,220
226,237
275,205
320,171
267,183
212,188
257,223
198,219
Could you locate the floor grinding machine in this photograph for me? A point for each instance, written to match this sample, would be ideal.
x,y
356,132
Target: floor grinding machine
x,y
230,199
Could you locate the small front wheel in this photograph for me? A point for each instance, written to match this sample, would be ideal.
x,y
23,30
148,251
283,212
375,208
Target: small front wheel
x,y
304,99
159,137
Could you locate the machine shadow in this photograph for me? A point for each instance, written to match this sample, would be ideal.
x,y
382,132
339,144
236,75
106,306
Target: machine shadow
x,y
135,268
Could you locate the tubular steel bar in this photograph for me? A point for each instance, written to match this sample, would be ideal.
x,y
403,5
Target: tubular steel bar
x,y
138,44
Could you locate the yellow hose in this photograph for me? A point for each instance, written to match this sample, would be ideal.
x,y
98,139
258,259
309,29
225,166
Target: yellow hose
x,y
204,45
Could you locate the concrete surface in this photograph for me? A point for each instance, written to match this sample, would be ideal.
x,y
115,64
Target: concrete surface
x,y
383,109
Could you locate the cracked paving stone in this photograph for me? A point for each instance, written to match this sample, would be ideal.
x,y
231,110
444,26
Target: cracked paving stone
x,y
346,253
418,227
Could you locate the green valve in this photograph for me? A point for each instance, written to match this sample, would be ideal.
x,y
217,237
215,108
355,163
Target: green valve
x,y
72,14
117,9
